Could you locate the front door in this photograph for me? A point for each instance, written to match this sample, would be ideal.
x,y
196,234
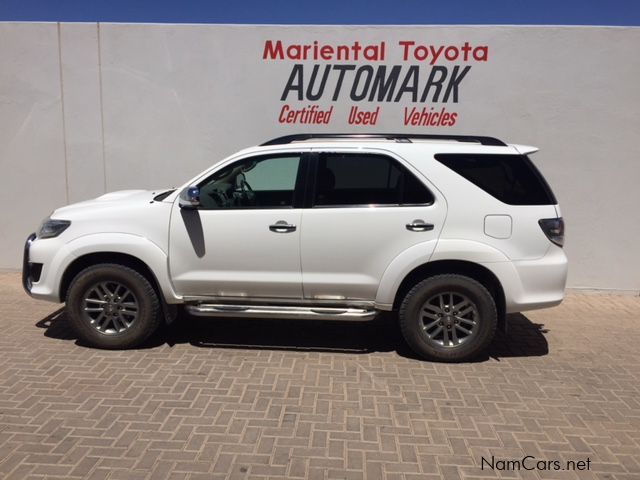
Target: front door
x,y
244,239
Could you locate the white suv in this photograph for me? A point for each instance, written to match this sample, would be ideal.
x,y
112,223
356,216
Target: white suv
x,y
452,232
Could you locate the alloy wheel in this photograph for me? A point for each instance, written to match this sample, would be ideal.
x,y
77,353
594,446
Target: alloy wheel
x,y
110,307
449,319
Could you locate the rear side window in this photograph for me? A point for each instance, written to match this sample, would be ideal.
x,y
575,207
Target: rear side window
x,y
366,179
512,179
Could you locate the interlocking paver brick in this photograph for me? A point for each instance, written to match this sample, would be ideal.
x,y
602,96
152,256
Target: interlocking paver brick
x,y
242,399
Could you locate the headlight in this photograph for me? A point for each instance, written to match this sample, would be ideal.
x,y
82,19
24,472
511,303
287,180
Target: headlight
x,y
50,228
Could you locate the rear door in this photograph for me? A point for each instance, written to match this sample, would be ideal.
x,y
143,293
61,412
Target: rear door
x,y
364,209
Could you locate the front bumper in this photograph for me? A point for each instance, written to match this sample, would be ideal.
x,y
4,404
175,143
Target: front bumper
x,y
30,271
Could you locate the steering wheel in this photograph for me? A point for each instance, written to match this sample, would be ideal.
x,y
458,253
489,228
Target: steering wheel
x,y
243,193
247,192
246,186
220,197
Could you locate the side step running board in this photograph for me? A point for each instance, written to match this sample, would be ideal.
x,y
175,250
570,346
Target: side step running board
x,y
276,311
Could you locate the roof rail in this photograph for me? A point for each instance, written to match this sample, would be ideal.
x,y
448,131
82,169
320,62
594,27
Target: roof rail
x,y
398,137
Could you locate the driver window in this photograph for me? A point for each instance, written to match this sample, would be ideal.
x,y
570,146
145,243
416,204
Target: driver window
x,y
257,182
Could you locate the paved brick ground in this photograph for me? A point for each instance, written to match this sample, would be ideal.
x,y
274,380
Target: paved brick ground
x,y
256,399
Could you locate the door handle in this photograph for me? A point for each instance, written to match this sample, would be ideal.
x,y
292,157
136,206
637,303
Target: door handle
x,y
282,227
419,226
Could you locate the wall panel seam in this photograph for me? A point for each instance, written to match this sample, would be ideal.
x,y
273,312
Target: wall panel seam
x,y
64,121
104,157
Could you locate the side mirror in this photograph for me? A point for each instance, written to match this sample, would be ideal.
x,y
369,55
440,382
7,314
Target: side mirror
x,y
190,197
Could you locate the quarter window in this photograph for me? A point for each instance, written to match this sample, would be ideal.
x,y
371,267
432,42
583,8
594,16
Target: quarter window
x,y
366,179
512,179
258,182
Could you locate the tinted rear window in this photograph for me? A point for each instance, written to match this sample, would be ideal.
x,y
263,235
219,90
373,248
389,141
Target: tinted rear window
x,y
366,179
512,179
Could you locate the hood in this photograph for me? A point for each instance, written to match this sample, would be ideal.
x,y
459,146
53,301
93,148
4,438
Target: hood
x,y
119,199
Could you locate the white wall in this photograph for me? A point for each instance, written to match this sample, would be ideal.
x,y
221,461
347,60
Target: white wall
x,y
87,108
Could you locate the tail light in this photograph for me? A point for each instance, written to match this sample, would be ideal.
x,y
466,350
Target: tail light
x,y
553,228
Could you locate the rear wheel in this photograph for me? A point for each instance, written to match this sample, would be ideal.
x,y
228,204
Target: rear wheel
x,y
112,306
449,318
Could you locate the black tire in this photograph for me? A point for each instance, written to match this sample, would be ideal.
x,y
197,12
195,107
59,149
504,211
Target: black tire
x,y
413,318
116,335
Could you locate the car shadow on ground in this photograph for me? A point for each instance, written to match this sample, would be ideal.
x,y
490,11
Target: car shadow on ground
x,y
523,338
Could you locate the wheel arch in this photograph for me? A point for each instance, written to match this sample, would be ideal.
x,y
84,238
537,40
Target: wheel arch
x,y
461,267
169,311
95,258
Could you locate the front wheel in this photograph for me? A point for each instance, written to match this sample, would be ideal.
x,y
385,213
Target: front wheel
x,y
112,306
449,318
